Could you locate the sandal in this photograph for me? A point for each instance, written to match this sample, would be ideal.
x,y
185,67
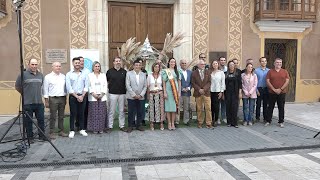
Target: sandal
x,y
151,127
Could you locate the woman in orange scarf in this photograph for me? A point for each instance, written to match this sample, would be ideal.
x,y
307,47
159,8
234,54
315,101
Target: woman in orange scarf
x,y
171,91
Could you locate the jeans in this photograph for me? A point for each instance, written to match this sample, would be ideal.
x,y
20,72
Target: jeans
x,y
76,111
280,99
223,109
135,108
248,108
38,109
264,96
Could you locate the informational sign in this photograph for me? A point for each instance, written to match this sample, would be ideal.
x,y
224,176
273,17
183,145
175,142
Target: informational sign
x,y
56,55
89,55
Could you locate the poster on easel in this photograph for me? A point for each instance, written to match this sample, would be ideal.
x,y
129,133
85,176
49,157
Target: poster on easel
x,y
89,55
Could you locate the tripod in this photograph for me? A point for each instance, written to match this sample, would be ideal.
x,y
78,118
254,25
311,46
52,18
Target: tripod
x,y
19,4
316,134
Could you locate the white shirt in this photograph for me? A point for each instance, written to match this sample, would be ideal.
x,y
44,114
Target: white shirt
x,y
218,81
97,85
137,77
152,82
185,74
54,85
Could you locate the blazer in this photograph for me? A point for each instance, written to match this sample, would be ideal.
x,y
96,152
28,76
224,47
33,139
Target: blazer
x,y
133,88
198,84
186,83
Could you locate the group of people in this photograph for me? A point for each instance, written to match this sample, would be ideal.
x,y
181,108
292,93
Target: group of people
x,y
217,88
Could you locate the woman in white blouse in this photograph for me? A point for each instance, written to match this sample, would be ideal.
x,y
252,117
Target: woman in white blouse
x,y
217,88
97,99
155,96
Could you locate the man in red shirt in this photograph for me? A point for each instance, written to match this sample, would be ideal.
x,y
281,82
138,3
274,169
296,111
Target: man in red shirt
x,y
277,82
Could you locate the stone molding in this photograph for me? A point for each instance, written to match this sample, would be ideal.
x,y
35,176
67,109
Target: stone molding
x,y
78,24
201,27
235,11
31,31
8,17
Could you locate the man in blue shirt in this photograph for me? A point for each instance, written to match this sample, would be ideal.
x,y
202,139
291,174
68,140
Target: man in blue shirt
x,y
77,87
262,90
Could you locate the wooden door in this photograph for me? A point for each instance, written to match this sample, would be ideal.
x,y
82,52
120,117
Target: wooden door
x,y
138,20
286,49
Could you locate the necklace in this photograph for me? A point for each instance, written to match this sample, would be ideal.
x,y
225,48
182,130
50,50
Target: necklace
x,y
155,80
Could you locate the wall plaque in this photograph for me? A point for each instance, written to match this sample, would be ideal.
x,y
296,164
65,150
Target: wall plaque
x,y
59,55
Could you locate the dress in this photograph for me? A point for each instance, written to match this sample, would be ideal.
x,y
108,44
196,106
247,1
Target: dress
x,y
169,103
156,105
97,108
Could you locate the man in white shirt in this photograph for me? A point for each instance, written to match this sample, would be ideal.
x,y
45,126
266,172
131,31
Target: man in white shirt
x,y
185,91
54,92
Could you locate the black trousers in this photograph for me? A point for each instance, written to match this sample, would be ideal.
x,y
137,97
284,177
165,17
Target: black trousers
x,y
232,105
76,112
215,106
280,99
264,96
85,118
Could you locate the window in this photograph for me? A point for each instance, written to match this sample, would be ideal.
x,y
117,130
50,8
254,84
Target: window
x,y
284,5
309,5
257,5
268,5
296,5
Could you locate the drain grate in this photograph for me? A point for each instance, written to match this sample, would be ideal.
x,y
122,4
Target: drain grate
x,y
128,160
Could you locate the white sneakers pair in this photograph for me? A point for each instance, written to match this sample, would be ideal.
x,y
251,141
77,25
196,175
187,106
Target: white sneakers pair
x,y
82,132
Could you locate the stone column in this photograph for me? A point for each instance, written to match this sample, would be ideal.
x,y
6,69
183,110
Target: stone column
x,y
182,21
98,30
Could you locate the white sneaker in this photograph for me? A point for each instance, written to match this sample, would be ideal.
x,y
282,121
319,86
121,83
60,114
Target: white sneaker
x,y
267,124
250,123
219,122
281,125
245,123
71,134
83,133
225,121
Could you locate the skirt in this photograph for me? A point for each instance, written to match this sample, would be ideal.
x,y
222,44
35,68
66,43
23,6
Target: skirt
x,y
97,112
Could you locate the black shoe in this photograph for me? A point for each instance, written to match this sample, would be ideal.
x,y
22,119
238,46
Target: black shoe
x,y
31,140
140,128
143,123
124,129
42,138
108,130
129,130
187,124
176,125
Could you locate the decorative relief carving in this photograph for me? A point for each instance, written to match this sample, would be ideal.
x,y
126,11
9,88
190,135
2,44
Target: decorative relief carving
x,y
78,24
5,85
31,30
235,29
201,27
246,8
309,82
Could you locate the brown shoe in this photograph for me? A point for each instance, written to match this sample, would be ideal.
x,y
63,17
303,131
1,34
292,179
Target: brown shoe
x,y
129,130
209,127
52,136
123,129
140,128
62,134
200,126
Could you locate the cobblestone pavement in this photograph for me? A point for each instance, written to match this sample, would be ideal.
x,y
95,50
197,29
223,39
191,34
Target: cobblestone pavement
x,y
97,151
